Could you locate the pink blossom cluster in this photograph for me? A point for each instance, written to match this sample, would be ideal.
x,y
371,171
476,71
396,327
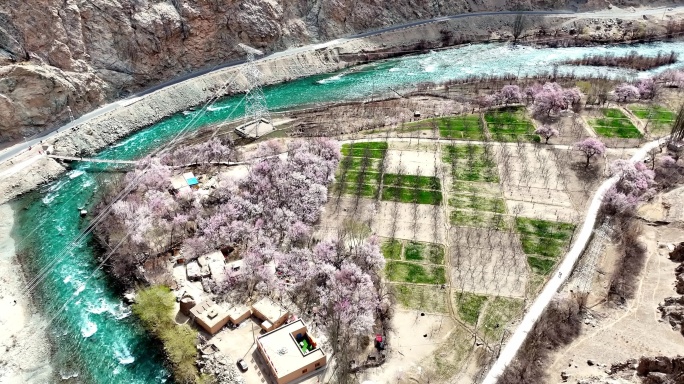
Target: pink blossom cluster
x,y
551,98
636,184
627,92
672,77
546,132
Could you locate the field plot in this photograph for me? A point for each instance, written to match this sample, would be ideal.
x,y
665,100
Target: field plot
x,y
614,124
534,182
658,120
510,124
360,174
498,314
408,272
463,127
544,242
426,298
487,261
359,170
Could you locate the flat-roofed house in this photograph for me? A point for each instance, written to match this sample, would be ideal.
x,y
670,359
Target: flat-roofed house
x,y
271,314
255,129
239,313
291,352
210,316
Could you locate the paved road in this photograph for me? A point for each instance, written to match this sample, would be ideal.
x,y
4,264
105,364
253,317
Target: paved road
x,y
8,153
563,272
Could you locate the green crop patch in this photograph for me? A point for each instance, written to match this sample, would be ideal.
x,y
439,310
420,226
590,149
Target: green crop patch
x,y
658,120
469,306
421,297
479,219
615,124
470,163
424,252
412,195
499,314
544,246
363,190
540,265
359,177
465,127
415,273
543,241
373,145
509,124
412,181
391,249
478,203
543,228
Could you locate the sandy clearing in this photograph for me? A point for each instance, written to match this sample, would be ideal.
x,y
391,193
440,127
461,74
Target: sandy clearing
x,y
412,162
631,332
543,211
414,339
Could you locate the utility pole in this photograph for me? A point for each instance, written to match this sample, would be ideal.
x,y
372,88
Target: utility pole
x,y
255,101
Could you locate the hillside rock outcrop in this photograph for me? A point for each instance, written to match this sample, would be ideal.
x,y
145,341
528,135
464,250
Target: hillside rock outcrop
x,y
82,53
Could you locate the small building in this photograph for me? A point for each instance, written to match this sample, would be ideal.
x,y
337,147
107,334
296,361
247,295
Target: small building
x,y
271,314
193,271
191,180
239,313
291,352
255,129
179,184
210,316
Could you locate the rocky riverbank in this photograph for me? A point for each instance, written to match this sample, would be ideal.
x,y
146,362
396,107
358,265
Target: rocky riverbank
x,y
24,346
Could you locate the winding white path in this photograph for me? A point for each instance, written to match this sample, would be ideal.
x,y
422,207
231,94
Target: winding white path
x,y
565,269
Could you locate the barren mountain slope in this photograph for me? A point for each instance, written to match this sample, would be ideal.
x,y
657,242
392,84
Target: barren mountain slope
x,y
56,54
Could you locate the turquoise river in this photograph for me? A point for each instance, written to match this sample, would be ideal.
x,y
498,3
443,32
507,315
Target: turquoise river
x,y
95,338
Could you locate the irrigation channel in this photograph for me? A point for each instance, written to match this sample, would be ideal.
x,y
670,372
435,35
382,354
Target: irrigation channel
x,y
95,338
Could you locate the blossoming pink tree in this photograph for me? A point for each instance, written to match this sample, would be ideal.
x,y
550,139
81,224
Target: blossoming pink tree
x,y
546,132
626,92
590,147
510,94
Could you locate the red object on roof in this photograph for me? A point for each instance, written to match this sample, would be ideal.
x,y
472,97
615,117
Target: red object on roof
x,y
378,338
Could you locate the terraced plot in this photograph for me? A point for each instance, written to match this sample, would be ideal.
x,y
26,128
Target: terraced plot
x,y
406,272
469,306
543,242
359,175
659,120
510,125
614,124
498,314
475,193
428,298
464,127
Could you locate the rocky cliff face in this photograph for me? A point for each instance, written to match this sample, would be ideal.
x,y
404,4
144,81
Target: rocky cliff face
x,y
63,58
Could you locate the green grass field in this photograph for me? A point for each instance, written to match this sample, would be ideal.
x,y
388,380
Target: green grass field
x,y
415,273
469,306
614,124
476,188
465,127
509,124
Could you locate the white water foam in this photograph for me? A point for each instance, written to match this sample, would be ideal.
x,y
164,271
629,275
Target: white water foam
x,y
88,328
75,173
213,108
331,79
123,354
